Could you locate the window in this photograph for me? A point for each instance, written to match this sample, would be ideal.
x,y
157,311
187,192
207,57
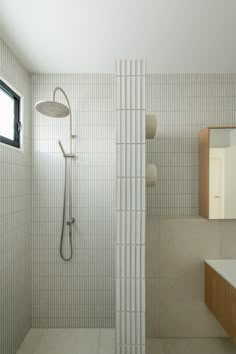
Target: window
x,y
9,116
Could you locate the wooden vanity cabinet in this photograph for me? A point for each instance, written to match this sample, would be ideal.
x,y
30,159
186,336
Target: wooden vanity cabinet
x,y
223,290
211,293
220,297
232,313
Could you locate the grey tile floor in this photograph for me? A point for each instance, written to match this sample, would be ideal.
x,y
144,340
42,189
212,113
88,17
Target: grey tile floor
x,y
68,341
190,346
102,341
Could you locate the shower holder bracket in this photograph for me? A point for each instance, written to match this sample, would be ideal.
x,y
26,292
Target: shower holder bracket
x,y
70,155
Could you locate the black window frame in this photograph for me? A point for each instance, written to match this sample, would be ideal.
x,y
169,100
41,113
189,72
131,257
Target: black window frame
x,y
17,124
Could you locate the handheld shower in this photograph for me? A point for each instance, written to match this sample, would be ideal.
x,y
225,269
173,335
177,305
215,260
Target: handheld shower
x,y
63,150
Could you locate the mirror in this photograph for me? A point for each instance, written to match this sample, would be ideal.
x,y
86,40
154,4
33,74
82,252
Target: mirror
x,y
218,173
222,174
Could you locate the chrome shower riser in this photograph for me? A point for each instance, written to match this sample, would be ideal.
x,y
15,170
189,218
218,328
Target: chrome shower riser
x,y
56,109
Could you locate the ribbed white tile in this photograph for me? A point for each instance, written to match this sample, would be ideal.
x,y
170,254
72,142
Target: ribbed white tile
x,y
130,214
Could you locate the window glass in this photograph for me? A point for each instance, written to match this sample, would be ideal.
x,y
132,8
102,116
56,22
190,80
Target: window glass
x,y
6,115
9,116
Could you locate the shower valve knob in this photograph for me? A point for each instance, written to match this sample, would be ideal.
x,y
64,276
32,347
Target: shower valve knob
x,y
70,222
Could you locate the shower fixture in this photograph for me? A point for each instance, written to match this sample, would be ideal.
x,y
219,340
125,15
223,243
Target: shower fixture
x,y
56,109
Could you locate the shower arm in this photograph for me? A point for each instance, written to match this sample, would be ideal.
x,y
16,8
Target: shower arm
x,y
70,115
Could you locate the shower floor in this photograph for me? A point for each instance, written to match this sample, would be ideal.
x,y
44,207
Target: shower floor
x,y
68,341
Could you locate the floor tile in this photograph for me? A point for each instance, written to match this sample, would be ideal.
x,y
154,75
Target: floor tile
x,y
30,342
107,341
70,341
198,346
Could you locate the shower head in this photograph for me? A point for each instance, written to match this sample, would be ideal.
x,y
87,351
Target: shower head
x,y
52,109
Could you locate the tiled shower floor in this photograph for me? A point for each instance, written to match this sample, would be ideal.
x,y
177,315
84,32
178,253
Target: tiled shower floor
x,y
102,341
69,341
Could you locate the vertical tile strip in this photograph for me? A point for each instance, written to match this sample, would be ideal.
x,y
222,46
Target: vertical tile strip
x,y
130,208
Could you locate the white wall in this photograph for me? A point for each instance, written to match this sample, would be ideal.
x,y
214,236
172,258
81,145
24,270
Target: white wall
x,y
220,138
76,36
15,217
230,185
79,293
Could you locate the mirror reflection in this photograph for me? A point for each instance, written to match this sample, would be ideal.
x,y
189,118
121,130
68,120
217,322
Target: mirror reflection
x,y
222,170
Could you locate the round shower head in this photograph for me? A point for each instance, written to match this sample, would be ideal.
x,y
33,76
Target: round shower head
x,y
52,109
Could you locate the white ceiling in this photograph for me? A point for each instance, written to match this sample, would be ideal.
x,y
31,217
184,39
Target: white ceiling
x,y
88,35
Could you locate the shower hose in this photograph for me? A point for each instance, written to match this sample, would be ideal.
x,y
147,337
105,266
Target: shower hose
x,y
63,221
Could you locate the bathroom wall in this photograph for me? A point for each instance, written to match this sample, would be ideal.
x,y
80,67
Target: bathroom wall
x,y
79,293
175,252
177,240
184,104
15,217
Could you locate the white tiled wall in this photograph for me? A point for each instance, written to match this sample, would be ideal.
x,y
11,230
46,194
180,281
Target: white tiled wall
x,y
15,217
183,104
79,293
130,215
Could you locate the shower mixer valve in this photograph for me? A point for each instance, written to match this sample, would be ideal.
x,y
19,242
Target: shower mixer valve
x,y
70,222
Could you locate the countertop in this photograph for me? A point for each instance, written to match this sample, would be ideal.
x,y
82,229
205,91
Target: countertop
x,y
226,268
